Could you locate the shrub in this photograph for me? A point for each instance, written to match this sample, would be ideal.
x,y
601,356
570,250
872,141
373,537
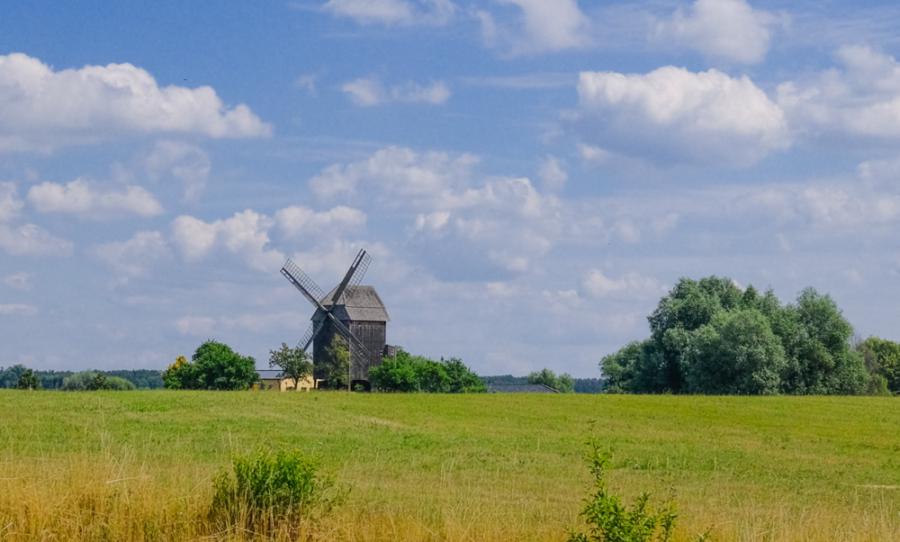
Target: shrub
x,y
214,366
268,492
28,381
92,381
407,373
611,521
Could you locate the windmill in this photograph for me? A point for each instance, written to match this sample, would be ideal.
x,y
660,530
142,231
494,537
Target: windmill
x,y
350,310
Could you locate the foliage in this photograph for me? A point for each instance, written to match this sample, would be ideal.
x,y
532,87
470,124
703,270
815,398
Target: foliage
x,y
611,521
268,492
710,336
214,366
408,373
180,375
563,383
582,385
882,359
334,368
293,362
93,381
28,381
53,380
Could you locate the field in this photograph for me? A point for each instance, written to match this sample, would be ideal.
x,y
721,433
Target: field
x,y
138,465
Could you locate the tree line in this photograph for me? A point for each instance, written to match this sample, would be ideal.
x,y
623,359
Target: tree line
x,y
25,378
710,336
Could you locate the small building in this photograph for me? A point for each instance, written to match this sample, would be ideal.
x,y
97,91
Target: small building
x,y
275,381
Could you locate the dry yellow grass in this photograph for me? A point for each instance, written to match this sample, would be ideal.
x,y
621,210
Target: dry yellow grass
x,y
139,465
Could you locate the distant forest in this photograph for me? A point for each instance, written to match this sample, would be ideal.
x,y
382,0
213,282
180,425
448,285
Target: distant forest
x,y
582,385
53,380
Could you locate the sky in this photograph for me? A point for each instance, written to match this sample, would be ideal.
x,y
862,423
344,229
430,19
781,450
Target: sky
x,y
530,176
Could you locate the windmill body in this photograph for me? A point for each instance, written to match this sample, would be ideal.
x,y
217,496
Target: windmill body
x,y
353,311
361,310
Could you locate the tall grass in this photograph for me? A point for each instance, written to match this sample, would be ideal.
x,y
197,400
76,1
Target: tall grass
x,y
142,465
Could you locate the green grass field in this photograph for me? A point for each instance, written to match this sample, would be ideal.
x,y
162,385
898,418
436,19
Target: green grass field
x,y
138,465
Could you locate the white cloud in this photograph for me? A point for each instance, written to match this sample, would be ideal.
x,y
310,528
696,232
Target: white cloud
x,y
726,29
10,204
17,309
672,115
133,258
307,82
296,221
543,27
42,109
861,99
31,240
19,281
198,326
552,173
598,284
245,234
185,162
396,172
394,12
81,198
370,92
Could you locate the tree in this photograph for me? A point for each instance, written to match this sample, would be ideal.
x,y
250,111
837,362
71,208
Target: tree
x,y
736,353
461,379
293,362
408,373
219,367
563,383
334,368
882,360
181,375
94,381
28,381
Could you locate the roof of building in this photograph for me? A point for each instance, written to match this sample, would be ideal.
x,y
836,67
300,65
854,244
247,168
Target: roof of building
x,y
520,388
358,304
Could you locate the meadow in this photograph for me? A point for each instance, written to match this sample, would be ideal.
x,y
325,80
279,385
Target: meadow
x,y
139,465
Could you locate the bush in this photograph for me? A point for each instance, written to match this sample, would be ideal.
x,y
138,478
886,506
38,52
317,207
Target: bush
x,y
214,366
93,381
611,521
564,383
407,373
268,493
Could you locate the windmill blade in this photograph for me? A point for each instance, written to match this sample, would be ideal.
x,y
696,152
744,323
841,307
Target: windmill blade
x,y
302,282
353,341
311,333
354,273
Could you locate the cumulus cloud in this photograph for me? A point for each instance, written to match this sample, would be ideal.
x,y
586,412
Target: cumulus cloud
x,y
32,240
861,98
552,173
542,27
844,205
370,92
393,12
42,108
297,220
725,29
81,198
184,162
598,284
10,204
679,115
246,234
134,257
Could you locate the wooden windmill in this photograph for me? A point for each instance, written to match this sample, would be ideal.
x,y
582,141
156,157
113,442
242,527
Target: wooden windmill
x,y
351,310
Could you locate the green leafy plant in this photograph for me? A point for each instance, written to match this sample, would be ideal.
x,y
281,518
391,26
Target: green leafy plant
x,y
609,520
28,381
293,362
268,492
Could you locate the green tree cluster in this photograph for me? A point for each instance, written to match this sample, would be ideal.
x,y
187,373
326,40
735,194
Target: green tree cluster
x,y
882,359
214,366
93,381
710,336
563,383
408,373
334,368
28,381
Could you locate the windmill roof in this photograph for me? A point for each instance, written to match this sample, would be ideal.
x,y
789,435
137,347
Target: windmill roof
x,y
357,303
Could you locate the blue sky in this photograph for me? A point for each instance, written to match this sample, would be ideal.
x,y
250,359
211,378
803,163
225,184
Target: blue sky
x,y
530,175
